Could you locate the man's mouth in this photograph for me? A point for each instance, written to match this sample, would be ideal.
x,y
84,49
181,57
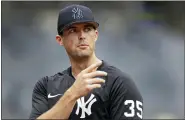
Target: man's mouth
x,y
83,45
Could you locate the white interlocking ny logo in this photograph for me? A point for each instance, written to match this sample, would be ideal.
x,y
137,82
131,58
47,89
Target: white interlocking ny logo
x,y
81,104
77,13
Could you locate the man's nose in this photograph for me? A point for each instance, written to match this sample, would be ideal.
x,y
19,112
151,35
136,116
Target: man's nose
x,y
81,35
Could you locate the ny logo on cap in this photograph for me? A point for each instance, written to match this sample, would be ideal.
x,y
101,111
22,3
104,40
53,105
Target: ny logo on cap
x,y
77,13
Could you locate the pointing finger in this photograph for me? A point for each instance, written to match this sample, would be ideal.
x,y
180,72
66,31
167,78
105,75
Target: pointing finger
x,y
93,66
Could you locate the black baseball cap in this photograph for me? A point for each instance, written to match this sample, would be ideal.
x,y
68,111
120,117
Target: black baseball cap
x,y
75,14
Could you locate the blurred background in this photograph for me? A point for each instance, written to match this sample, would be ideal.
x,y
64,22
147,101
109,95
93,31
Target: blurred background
x,y
143,39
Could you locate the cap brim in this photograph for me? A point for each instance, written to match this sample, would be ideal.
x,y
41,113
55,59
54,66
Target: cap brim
x,y
94,23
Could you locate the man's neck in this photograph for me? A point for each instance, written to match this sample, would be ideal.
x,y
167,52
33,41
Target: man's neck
x,y
77,67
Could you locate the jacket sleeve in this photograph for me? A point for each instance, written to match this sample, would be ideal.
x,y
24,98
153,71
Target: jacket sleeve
x,y
126,100
39,99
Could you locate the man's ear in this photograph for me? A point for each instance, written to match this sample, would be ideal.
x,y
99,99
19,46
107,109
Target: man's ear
x,y
59,40
96,35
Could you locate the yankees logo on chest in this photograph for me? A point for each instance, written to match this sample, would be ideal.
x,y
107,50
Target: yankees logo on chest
x,y
85,106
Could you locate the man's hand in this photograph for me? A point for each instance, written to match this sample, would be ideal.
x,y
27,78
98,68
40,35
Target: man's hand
x,y
86,81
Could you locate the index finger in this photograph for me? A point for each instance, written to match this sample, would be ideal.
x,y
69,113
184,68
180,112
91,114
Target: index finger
x,y
93,66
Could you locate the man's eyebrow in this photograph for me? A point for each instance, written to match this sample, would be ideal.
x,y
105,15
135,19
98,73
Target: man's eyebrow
x,y
70,27
88,25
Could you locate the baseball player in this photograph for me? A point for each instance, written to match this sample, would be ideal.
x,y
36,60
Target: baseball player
x,y
90,88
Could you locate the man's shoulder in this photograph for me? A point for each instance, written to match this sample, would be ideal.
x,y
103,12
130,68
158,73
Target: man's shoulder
x,y
121,80
115,72
55,77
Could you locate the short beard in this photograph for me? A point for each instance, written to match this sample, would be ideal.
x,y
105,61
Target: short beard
x,y
80,56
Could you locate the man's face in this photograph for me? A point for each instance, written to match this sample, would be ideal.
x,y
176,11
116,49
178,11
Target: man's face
x,y
79,40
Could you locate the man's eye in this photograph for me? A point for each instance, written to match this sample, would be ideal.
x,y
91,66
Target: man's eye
x,y
88,29
72,30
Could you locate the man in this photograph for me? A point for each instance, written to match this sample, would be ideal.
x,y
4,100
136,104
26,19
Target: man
x,y
90,88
